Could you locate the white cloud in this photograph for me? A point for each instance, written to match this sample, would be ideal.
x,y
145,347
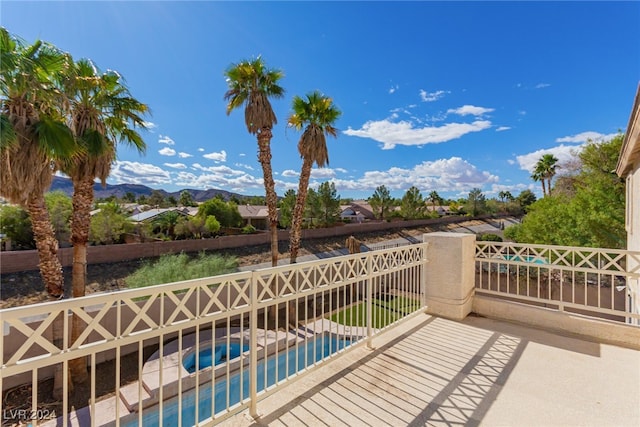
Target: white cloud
x,y
453,174
238,182
341,170
184,155
587,136
241,154
290,173
164,139
431,96
542,85
502,128
201,149
176,165
393,89
139,173
391,134
322,173
218,157
242,165
150,126
562,152
470,109
166,151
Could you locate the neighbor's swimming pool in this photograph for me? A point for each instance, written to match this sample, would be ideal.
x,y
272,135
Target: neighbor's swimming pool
x,y
284,363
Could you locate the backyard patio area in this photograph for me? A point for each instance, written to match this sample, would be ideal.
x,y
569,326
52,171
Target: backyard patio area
x,y
433,371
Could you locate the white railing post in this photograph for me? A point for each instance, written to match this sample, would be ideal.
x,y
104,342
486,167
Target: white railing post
x,y
423,278
369,305
253,348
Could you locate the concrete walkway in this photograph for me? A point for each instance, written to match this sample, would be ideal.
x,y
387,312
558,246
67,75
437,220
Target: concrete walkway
x,y
432,371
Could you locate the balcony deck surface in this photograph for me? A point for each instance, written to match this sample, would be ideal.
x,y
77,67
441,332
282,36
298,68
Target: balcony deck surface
x,y
432,371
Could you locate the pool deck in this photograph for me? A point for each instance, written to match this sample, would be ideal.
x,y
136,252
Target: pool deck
x,y
432,371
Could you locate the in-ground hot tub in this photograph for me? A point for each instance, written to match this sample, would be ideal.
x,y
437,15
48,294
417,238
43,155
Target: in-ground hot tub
x,y
212,355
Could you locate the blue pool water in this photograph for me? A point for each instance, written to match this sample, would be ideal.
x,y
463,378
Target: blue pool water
x,y
306,355
221,351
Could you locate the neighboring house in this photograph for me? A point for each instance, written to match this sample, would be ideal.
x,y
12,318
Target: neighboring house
x,y
629,168
349,213
257,216
151,214
357,211
441,210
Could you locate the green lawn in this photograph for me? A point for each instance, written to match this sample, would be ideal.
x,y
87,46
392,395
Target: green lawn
x,y
384,312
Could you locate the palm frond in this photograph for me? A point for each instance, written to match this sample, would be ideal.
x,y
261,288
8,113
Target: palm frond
x,y
55,138
8,136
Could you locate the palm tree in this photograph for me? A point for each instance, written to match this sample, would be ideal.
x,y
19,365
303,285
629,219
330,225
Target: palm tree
x,y
34,136
102,114
318,114
434,198
251,84
549,167
537,175
545,170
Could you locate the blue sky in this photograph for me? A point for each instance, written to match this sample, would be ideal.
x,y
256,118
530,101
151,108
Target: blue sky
x,y
443,96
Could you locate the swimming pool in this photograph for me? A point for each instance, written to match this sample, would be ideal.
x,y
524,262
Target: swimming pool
x,y
221,353
306,354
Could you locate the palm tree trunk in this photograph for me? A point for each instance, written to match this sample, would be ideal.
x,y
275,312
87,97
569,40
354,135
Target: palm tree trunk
x,y
80,223
47,246
549,186
264,157
51,272
298,209
544,190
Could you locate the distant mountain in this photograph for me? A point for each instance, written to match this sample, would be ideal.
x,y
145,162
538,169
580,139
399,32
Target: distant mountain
x,y
119,190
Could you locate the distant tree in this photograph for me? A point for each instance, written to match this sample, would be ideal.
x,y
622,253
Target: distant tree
x,y
381,202
545,170
476,202
16,225
226,213
171,201
435,199
166,223
109,225
329,202
156,199
60,208
211,224
286,208
412,205
313,208
129,197
190,227
142,200
525,199
186,199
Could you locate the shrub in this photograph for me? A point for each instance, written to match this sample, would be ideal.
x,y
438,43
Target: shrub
x,y
176,268
248,229
489,237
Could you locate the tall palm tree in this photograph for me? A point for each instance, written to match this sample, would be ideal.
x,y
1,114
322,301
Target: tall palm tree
x,y
318,114
549,167
251,83
102,114
545,170
34,136
538,175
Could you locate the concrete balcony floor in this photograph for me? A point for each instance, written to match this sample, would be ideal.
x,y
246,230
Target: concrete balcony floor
x,y
432,371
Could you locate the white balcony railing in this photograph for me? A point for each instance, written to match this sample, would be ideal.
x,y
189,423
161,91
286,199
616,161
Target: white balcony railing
x,y
591,281
197,351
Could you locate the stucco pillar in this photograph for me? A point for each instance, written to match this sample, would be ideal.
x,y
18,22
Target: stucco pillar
x,y
450,274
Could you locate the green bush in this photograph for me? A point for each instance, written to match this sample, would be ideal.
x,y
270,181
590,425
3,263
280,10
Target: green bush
x,y
176,268
248,229
488,237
